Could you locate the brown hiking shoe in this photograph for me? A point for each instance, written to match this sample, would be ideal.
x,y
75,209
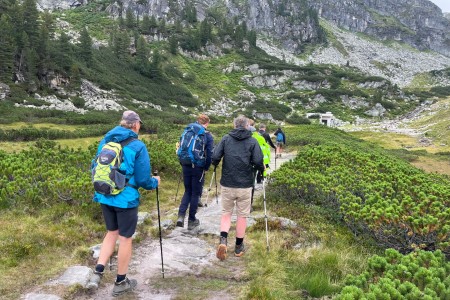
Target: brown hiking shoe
x,y
222,249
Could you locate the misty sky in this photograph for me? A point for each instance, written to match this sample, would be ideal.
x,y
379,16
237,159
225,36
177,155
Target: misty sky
x,y
443,4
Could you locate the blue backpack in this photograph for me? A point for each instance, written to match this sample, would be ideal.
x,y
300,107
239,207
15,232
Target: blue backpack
x,y
279,137
192,145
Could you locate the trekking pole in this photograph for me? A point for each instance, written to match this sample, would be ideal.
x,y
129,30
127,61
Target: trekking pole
x,y
210,185
275,159
159,224
265,215
179,180
253,188
215,180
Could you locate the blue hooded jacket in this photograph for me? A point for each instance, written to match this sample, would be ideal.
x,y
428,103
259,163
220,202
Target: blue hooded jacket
x,y
136,164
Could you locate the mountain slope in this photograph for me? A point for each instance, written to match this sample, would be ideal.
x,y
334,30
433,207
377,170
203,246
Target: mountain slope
x,y
419,23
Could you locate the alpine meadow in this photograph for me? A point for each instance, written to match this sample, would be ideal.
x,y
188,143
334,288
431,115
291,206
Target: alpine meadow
x,y
354,203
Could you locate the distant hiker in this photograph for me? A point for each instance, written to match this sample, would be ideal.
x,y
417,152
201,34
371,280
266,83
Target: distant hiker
x,y
194,153
120,210
280,141
241,155
265,148
262,131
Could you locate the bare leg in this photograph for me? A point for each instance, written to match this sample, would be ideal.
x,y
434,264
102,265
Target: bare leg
x,y
225,222
108,246
241,225
124,255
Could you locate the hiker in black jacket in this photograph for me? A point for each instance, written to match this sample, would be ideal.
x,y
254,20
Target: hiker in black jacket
x,y
266,136
241,156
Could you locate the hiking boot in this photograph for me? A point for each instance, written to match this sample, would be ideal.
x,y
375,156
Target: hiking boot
x,y
123,286
180,221
99,274
200,204
222,249
239,250
193,224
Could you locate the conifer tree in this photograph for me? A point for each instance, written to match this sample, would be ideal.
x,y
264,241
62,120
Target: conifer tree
x,y
162,27
190,13
45,35
63,53
178,27
121,44
141,55
5,6
7,49
129,19
244,27
251,37
239,36
28,64
205,32
173,45
31,21
85,46
145,25
16,14
155,71
153,24
121,21
140,3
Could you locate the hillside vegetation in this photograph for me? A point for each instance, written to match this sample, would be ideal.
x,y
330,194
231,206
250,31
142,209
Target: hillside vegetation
x,y
161,68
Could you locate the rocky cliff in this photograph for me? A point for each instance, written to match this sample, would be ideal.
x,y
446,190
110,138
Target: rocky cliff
x,y
291,23
419,23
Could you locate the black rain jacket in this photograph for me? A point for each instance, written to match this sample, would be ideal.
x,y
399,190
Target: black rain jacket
x,y
241,156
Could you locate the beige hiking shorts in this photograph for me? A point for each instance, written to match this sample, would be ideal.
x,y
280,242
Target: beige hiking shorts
x,y
239,197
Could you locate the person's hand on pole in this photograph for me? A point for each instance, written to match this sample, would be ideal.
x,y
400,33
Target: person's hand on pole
x,y
157,177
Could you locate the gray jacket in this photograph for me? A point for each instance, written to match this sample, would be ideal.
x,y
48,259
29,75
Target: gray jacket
x,y
241,156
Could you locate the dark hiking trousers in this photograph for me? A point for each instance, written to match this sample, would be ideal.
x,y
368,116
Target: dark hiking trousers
x,y
193,186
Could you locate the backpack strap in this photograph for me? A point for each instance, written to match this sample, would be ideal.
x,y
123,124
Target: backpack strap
x,y
123,144
127,141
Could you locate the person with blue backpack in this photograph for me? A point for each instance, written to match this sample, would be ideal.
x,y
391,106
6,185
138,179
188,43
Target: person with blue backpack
x,y
280,141
118,193
194,153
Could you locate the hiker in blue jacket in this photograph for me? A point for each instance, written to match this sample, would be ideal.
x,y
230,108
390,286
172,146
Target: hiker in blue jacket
x,y
280,141
120,211
194,173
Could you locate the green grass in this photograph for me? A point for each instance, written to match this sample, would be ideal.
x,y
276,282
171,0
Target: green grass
x,y
312,259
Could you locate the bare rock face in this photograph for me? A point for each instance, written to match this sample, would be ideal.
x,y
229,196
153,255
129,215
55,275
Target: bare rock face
x,y
5,91
377,111
419,23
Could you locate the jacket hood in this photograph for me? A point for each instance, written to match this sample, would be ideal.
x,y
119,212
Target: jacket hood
x,y
119,134
240,134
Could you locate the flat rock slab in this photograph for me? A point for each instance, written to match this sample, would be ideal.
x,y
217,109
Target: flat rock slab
x,y
74,275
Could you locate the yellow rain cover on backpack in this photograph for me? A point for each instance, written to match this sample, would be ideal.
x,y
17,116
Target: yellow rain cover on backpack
x,y
107,177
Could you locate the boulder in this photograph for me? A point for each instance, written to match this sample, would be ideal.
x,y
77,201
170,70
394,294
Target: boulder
x,y
5,91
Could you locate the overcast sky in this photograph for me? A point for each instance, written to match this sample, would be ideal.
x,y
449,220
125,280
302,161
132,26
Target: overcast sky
x,y
443,4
